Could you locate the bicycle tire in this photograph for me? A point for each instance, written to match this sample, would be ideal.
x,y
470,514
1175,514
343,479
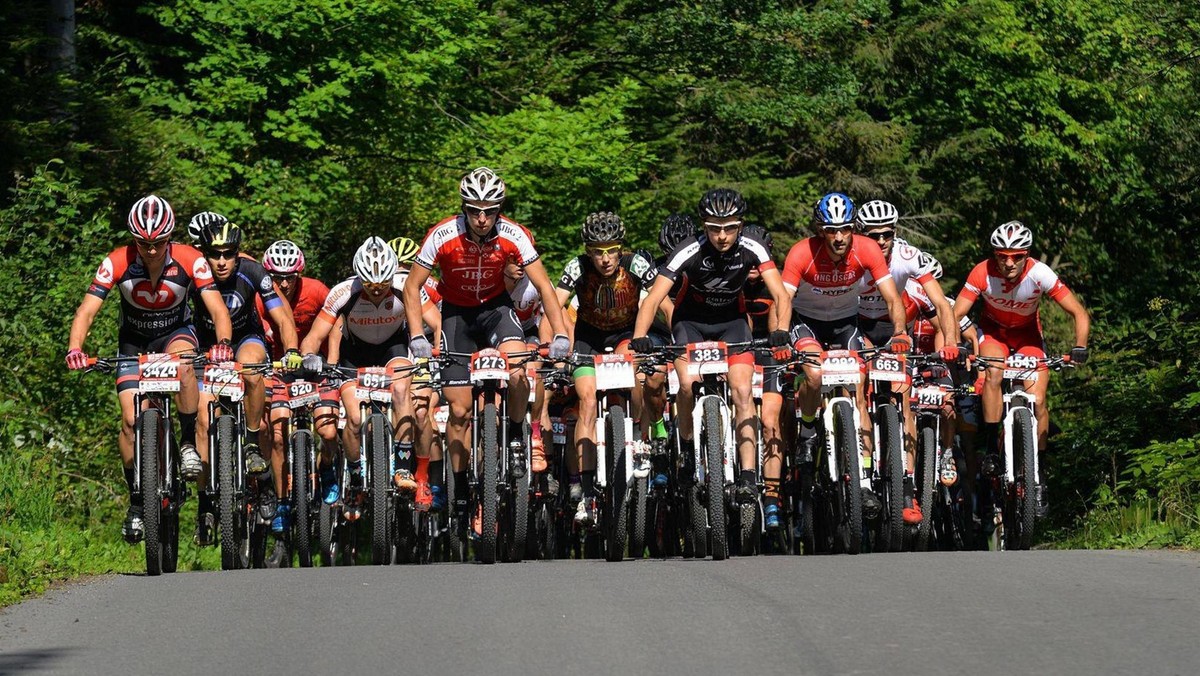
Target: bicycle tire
x,y
1024,449
325,541
150,424
748,530
850,524
231,558
714,476
485,549
302,483
615,514
891,527
174,490
927,450
637,509
378,444
519,508
453,526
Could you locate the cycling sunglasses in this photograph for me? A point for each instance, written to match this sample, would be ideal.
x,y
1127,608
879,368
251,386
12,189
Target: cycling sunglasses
x,y
882,235
604,251
218,254
151,243
474,212
722,227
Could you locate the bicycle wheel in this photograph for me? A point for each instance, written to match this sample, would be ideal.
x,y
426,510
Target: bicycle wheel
x,y
714,446
891,437
326,523
174,491
452,524
748,530
849,526
927,454
302,444
1024,450
150,424
615,514
697,541
519,508
378,443
637,514
485,549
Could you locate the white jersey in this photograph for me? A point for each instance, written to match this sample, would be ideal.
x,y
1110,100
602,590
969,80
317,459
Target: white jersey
x,y
907,263
364,320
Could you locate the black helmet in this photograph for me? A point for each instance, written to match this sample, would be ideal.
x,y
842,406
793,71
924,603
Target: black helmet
x,y
760,233
722,203
675,229
602,226
218,234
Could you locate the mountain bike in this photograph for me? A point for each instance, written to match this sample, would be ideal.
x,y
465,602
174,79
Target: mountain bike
x,y
551,517
883,470
945,503
1009,481
156,453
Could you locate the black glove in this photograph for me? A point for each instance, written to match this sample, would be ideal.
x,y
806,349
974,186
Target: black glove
x,y
642,345
1079,355
779,338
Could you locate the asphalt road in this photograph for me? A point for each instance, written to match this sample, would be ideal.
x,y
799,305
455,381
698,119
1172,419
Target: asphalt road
x,y
969,613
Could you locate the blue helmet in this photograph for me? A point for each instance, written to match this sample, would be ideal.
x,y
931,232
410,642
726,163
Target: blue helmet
x,y
834,209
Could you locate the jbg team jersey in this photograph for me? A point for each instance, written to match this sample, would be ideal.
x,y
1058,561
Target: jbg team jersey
x,y
711,288
473,273
153,309
1012,305
248,282
310,297
825,289
608,304
365,321
907,262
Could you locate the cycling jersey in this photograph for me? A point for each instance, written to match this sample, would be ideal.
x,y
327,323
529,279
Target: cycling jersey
x,y
310,298
152,309
472,273
608,304
712,281
826,289
1012,306
248,281
527,303
365,321
660,318
907,262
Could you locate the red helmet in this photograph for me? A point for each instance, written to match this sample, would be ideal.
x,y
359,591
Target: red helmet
x,y
151,218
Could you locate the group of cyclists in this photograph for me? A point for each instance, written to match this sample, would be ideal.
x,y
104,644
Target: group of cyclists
x,y
476,281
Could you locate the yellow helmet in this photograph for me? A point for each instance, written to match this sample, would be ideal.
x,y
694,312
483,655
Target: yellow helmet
x,y
406,250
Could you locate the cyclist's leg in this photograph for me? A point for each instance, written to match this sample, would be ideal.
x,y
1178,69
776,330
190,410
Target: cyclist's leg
x,y
251,350
278,415
350,440
403,423
993,404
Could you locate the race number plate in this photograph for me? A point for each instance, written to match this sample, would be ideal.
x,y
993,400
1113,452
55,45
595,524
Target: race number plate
x,y
1021,367
614,371
558,431
756,385
489,364
841,367
441,416
889,367
301,393
223,380
375,383
707,357
929,397
158,373
672,380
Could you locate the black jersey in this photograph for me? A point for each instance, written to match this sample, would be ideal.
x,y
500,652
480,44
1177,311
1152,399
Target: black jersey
x,y
248,280
712,282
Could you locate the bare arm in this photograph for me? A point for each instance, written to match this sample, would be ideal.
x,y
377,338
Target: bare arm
x,y
887,288
320,329
412,300
220,314
645,316
783,301
1083,322
947,321
286,323
541,281
85,314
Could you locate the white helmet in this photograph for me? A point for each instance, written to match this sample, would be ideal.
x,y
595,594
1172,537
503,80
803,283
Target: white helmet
x,y
201,221
877,214
283,257
481,185
375,262
1012,235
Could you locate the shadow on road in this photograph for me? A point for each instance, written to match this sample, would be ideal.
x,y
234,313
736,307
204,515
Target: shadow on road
x,y
25,661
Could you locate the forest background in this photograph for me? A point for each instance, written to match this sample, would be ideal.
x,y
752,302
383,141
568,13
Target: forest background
x,y
325,121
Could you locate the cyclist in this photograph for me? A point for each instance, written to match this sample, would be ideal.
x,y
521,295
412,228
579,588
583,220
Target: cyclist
x,y
760,306
710,305
825,274
373,312
154,277
240,281
877,220
608,281
1012,284
471,249
284,262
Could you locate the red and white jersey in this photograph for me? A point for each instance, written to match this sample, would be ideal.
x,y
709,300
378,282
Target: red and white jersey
x,y
431,288
473,274
310,298
907,262
527,303
364,320
1012,305
826,289
917,305
153,309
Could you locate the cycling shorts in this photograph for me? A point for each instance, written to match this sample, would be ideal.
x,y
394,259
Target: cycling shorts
x,y
878,331
1025,339
468,329
772,378
686,331
835,334
357,354
591,340
132,345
